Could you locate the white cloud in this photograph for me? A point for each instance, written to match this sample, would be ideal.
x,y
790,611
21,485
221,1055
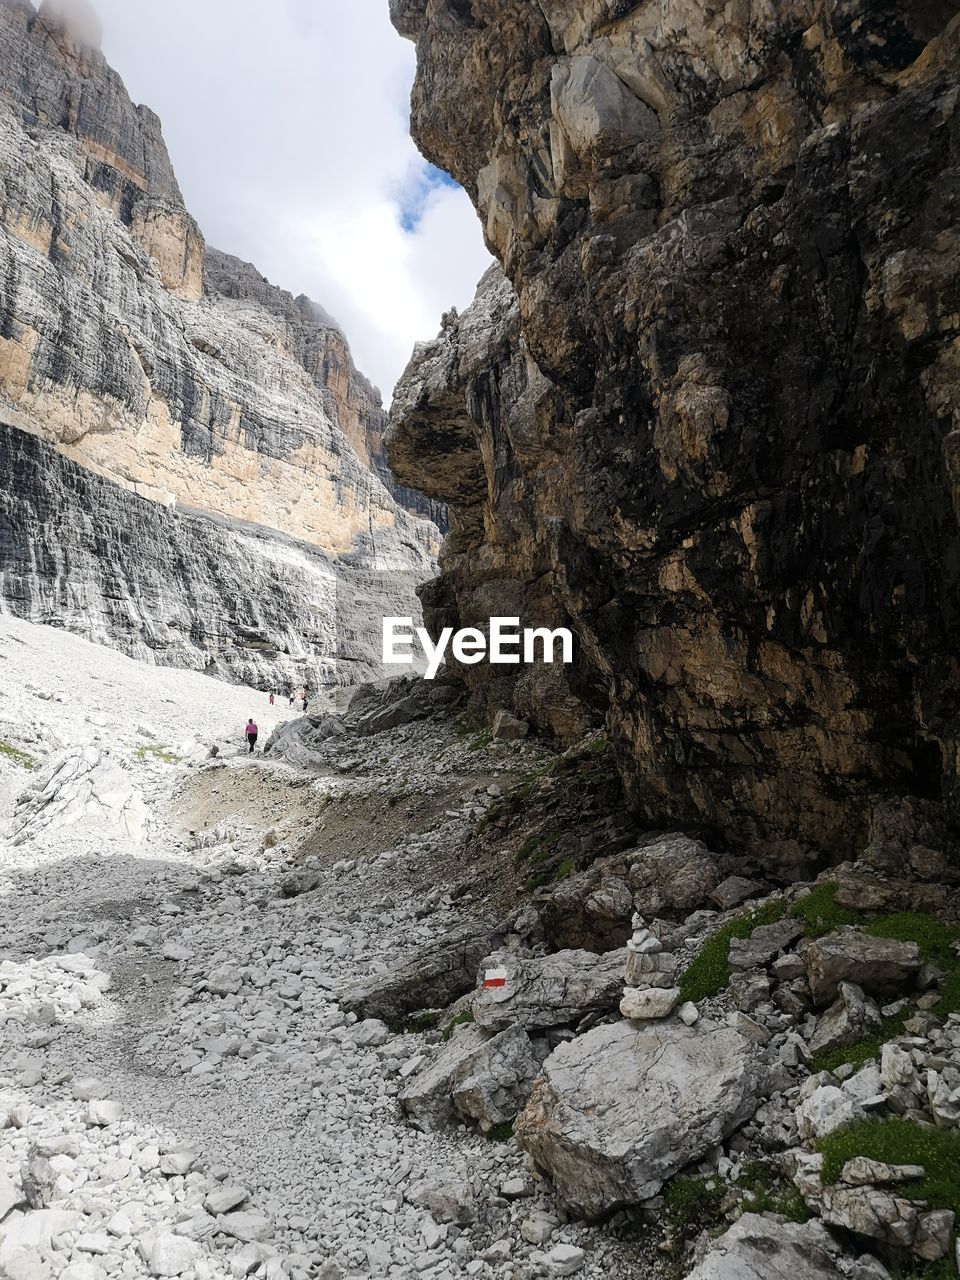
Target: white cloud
x,y
287,125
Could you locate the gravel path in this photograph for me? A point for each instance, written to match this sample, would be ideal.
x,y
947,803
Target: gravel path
x,y
181,1091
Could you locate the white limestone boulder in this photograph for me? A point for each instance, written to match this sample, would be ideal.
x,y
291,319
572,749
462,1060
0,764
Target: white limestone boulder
x,y
622,1108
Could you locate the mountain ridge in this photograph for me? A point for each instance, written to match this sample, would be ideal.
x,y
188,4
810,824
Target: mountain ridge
x,y
170,369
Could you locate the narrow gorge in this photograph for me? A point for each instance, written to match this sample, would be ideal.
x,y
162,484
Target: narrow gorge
x,y
640,966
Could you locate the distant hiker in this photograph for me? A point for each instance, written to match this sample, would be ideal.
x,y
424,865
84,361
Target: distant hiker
x,y
251,732
291,697
271,699
305,702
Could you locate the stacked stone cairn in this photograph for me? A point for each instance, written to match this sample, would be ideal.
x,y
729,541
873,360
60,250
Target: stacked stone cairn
x,y
651,989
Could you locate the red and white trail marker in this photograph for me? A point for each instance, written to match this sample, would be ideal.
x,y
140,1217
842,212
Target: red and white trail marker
x,y
495,978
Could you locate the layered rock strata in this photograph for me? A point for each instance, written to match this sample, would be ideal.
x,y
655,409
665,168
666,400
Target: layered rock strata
x,y
183,377
712,414
182,588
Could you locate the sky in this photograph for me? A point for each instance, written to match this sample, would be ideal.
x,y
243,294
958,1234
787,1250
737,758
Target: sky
x,y
287,124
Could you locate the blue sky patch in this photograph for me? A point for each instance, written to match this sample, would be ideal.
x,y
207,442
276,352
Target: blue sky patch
x,y
413,201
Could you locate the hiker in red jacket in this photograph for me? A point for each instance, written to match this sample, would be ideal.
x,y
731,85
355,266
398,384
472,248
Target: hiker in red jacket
x,y
251,732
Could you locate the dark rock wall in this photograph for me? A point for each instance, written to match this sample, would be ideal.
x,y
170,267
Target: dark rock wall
x,y
719,424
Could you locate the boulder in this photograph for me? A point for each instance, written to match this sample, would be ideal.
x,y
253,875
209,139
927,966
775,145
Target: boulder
x,y
591,909
622,1108
496,1081
864,890
10,1195
34,1231
447,1200
170,1255
80,783
476,1076
749,989
876,964
736,889
549,991
851,1018
675,874
826,1109
508,728
759,1247
38,1176
863,1172
300,880
432,977
641,1004
374,708
764,944
883,1215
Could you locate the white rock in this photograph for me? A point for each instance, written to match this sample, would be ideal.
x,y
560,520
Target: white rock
x,y
248,1227
34,1231
371,1033
827,1108
565,1259
103,1112
223,1199
10,1194
171,1255
645,1003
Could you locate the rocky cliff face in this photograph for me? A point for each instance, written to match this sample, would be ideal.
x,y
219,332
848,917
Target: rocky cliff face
x,y
175,372
182,588
718,422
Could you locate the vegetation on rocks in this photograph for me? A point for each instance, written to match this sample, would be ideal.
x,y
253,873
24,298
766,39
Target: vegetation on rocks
x,y
820,912
21,758
934,938
709,972
765,1192
898,1141
163,754
461,1020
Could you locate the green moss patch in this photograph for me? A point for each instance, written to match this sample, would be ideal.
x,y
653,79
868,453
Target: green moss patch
x,y
765,1192
163,754
820,913
709,972
693,1204
459,1021
22,759
536,849
897,1141
500,1132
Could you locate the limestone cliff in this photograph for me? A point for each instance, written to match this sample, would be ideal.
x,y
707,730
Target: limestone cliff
x,y
714,417
170,370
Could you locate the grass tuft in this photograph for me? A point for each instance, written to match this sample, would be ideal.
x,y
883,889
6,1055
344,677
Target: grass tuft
x,y
820,913
708,973
22,759
897,1141
460,1020
766,1193
157,753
